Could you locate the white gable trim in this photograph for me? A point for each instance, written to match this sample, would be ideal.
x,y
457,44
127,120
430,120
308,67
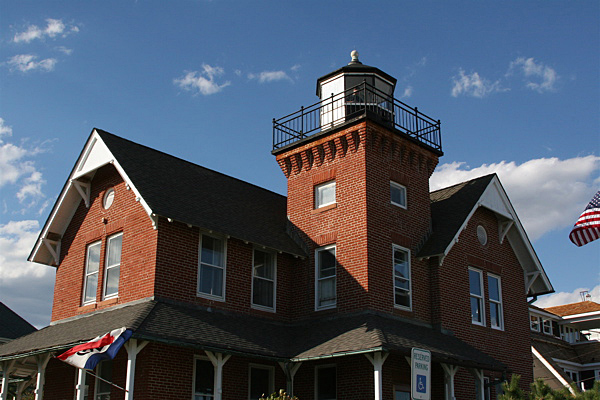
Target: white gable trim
x,y
495,199
551,369
94,155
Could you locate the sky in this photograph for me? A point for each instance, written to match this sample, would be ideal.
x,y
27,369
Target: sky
x,y
516,85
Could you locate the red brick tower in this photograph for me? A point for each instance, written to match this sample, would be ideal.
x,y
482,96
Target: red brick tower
x,y
358,164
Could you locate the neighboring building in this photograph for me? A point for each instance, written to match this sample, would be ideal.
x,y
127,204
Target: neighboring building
x,y
233,291
12,325
566,344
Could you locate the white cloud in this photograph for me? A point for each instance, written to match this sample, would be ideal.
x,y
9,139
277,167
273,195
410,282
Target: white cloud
x,y
17,238
65,50
545,75
54,28
474,85
15,169
560,298
270,76
28,62
202,81
547,193
408,91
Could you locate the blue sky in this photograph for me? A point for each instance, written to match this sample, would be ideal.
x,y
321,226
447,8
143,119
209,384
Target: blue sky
x,y
515,84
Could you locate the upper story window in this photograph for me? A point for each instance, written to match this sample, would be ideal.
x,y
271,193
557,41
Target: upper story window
x,y
261,381
495,297
325,194
534,323
204,379
263,279
92,265
325,277
211,271
547,326
326,382
398,194
569,334
402,289
476,295
113,265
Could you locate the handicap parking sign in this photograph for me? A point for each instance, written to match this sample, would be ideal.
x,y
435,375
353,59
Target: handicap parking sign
x,y
421,374
421,384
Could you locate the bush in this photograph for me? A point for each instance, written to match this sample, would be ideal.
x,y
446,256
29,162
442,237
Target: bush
x,y
541,391
282,395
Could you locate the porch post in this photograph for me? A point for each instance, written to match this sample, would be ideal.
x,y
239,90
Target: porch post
x,y
133,348
449,372
377,359
21,386
80,388
479,383
218,361
290,370
7,367
42,362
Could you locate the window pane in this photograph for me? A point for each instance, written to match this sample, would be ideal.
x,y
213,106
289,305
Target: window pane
x,y
398,194
112,281
475,310
212,251
93,259
326,262
91,284
325,194
494,315
326,383
263,292
474,282
402,298
260,382
327,292
211,280
263,265
401,283
205,378
105,372
114,250
493,288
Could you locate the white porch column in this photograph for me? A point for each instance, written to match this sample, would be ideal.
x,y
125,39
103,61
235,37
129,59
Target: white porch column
x,y
479,383
449,372
133,348
218,361
377,359
7,367
42,362
290,370
80,387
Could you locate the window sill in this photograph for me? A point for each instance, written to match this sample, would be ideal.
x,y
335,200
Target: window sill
x,y
210,297
108,302
324,208
87,308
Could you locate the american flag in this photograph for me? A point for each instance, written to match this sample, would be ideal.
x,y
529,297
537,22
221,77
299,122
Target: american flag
x,y
587,227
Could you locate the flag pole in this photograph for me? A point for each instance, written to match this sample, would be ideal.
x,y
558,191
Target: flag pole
x,y
104,380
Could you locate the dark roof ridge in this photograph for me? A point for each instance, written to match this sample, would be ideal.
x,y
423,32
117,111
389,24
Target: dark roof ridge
x,y
489,176
103,132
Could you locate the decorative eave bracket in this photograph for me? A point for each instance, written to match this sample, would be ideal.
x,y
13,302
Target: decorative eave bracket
x,y
530,277
53,247
83,188
503,229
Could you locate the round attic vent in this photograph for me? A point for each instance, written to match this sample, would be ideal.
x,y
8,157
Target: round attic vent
x,y
482,235
109,198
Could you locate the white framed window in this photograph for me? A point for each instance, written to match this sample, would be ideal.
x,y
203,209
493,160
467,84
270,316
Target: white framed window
x,y
534,323
402,282
547,326
204,379
114,246
398,194
325,291
102,388
476,296
211,271
495,302
92,266
261,381
574,376
264,272
325,194
325,382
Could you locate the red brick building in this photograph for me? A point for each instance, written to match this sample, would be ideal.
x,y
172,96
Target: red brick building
x,y
233,291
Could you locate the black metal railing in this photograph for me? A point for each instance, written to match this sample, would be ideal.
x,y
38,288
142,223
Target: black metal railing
x,y
357,101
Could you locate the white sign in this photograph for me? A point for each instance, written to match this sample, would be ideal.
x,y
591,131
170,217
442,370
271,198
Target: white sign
x,y
421,374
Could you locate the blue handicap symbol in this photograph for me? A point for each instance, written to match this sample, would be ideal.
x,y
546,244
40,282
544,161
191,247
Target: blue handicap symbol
x,y
421,384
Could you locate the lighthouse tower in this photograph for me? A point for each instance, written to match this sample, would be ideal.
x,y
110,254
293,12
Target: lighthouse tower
x,y
358,164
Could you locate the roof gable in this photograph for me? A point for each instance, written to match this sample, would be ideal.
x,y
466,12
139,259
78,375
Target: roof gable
x,y
172,188
453,207
13,325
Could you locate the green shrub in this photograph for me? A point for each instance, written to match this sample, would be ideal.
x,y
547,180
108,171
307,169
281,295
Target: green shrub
x,y
282,395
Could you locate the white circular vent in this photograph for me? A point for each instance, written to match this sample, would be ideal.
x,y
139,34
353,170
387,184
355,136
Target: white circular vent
x,y
109,198
482,235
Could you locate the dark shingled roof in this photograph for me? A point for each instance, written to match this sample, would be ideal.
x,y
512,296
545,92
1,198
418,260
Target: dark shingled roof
x,y
12,325
184,325
450,207
195,195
